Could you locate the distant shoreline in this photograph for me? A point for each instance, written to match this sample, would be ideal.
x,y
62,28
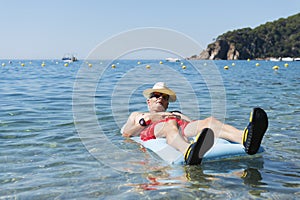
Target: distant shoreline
x,y
284,59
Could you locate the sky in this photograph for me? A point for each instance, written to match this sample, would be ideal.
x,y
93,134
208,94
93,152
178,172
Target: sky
x,y
41,29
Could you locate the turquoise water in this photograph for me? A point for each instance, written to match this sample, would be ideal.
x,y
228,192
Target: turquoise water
x,y
59,130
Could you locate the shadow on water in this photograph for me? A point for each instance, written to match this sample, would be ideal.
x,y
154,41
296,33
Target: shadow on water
x,y
243,173
236,177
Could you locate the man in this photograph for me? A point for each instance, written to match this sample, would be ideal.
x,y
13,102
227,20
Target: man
x,y
176,127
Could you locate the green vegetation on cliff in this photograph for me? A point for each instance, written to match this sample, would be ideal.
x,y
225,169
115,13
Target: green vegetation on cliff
x,y
280,38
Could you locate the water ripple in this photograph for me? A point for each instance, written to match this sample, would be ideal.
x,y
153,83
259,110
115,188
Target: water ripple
x,y
42,155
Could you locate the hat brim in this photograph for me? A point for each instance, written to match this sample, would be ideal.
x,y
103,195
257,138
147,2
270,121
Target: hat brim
x,y
172,95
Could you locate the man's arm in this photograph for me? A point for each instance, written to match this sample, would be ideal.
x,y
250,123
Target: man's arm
x,y
132,126
186,118
182,116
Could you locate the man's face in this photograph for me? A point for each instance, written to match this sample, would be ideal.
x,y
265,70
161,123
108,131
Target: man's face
x,y
158,102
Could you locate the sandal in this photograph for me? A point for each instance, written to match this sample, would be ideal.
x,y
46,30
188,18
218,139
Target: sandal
x,y
255,130
203,142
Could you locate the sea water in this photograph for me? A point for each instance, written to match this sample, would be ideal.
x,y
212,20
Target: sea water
x,y
60,129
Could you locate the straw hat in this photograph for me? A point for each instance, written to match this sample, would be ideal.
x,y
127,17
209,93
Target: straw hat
x,y
162,88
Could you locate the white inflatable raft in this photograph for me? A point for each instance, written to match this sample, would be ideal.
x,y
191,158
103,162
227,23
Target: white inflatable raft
x,y
222,149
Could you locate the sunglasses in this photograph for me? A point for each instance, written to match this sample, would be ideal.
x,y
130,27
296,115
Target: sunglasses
x,y
158,94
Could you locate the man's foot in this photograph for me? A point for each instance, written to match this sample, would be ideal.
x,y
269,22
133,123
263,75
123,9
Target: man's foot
x,y
203,142
255,131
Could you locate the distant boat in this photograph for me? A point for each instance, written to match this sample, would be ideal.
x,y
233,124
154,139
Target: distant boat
x,y
172,59
275,59
287,59
69,59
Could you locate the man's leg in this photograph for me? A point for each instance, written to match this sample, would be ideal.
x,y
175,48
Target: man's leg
x,y
251,137
170,131
220,130
193,153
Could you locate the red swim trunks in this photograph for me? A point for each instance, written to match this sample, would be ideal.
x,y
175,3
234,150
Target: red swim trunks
x,y
148,133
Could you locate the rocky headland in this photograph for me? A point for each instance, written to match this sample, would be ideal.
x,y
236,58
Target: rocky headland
x,y
277,39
